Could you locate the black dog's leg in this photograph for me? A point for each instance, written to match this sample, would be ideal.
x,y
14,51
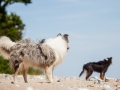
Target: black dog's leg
x,y
102,75
89,73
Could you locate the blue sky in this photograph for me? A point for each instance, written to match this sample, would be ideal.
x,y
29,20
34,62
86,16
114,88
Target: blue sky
x,y
93,27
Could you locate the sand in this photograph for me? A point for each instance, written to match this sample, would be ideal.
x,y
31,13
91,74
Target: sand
x,y
59,83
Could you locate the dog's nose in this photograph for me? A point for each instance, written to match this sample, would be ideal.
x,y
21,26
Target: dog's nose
x,y
68,48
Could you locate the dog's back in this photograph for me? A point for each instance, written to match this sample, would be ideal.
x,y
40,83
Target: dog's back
x,y
33,54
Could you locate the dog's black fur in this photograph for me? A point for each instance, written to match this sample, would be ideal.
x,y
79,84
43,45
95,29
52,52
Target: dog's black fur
x,y
100,67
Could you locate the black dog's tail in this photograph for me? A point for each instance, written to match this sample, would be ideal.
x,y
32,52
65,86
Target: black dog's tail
x,y
81,72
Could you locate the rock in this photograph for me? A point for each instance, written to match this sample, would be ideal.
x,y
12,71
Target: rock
x,y
12,82
69,88
58,80
29,88
83,89
40,77
83,85
90,86
17,85
96,80
118,80
110,79
37,77
107,87
118,88
92,79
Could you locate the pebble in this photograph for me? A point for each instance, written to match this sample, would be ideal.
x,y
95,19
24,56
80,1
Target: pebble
x,y
96,80
110,79
83,89
107,87
69,88
29,88
118,80
12,82
82,85
58,80
118,88
17,85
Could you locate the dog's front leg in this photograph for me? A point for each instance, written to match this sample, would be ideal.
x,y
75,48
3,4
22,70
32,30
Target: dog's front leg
x,y
25,70
48,71
14,77
102,75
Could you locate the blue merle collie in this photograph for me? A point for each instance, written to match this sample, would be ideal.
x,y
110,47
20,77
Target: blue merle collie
x,y
46,54
100,67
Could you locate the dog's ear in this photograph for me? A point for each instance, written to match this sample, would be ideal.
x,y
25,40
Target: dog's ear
x,y
59,34
66,37
42,41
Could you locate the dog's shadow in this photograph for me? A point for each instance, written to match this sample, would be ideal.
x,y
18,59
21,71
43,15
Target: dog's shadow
x,y
49,82
43,82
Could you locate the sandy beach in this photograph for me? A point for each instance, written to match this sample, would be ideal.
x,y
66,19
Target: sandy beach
x,y
39,82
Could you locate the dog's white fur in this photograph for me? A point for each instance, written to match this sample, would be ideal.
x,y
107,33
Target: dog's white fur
x,y
53,47
5,43
59,46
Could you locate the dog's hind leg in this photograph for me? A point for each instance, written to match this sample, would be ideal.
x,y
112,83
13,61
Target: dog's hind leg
x,y
25,70
48,71
88,74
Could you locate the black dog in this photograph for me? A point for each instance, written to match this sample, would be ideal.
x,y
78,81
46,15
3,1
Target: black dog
x,y
100,67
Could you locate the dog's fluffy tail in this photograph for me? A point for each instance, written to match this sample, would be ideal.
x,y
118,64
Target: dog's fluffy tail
x,y
5,45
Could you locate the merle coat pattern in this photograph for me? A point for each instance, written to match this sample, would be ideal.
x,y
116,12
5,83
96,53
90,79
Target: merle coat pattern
x,y
46,54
